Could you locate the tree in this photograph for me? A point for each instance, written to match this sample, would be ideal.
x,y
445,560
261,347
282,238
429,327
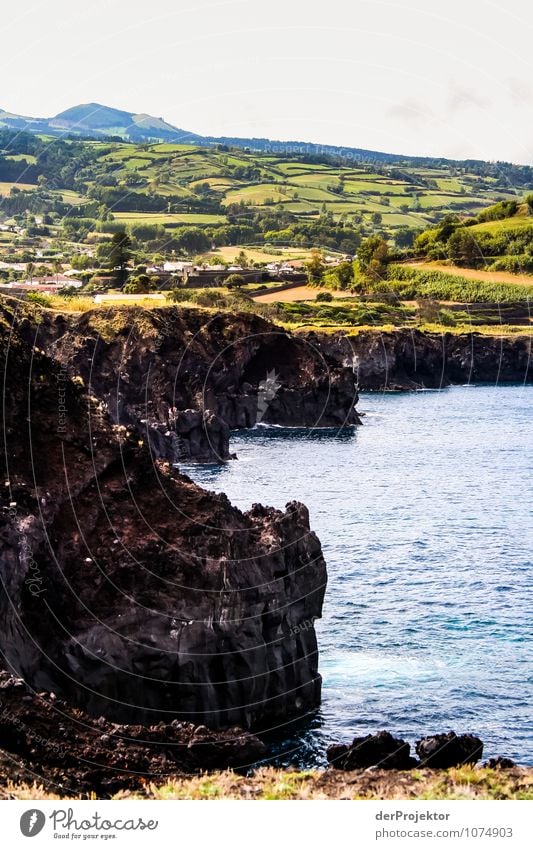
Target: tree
x,y
138,285
372,258
343,275
377,218
57,269
315,268
119,257
234,281
242,260
193,240
30,270
404,238
80,262
463,248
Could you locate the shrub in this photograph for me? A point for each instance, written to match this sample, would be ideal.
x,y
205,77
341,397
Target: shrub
x,y
39,298
140,285
503,209
518,263
463,248
178,296
324,296
234,281
209,298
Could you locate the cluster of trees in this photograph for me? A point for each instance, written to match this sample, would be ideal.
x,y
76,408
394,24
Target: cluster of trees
x,y
497,212
369,267
454,239
268,228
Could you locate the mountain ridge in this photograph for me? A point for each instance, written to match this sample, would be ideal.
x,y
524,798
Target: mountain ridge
x,y
97,121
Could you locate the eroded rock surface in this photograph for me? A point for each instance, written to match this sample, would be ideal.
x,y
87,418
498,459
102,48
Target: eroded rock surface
x,y
49,740
233,371
380,750
441,751
127,589
410,359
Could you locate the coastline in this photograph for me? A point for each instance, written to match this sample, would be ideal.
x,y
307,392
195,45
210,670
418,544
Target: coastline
x,y
462,783
67,357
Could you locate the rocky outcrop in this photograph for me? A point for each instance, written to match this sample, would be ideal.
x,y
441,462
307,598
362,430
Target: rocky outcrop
x,y
128,590
382,750
375,750
441,751
410,359
226,371
63,745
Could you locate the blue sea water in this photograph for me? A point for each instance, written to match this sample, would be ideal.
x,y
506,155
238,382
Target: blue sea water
x,y
424,514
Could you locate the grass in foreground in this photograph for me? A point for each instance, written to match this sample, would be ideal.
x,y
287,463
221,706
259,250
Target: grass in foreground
x,y
270,784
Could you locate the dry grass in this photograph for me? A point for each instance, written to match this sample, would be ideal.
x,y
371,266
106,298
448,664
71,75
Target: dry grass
x,y
270,784
299,293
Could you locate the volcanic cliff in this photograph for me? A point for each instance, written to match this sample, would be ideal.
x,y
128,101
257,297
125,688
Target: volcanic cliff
x,y
405,358
185,377
127,589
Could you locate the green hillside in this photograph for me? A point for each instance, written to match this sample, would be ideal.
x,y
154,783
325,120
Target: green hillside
x,y
185,198
499,238
217,177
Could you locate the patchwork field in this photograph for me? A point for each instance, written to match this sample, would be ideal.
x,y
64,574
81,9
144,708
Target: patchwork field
x,y
410,197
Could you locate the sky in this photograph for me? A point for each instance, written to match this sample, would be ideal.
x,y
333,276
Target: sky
x,y
447,78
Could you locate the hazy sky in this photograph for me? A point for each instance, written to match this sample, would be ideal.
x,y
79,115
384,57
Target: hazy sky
x,y
439,77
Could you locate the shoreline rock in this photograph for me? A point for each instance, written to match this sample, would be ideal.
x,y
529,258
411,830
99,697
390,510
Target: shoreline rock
x,y
408,359
66,747
374,750
441,751
383,751
130,591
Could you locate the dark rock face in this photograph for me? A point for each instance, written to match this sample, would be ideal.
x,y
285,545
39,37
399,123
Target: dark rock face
x,y
129,590
410,359
381,750
446,750
499,762
201,437
65,746
232,371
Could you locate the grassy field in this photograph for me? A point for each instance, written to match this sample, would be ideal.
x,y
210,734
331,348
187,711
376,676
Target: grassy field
x,y
506,225
256,254
190,177
168,220
462,783
5,188
300,293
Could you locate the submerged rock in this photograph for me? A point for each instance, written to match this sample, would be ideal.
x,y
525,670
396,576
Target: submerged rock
x,y
380,750
130,591
441,751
